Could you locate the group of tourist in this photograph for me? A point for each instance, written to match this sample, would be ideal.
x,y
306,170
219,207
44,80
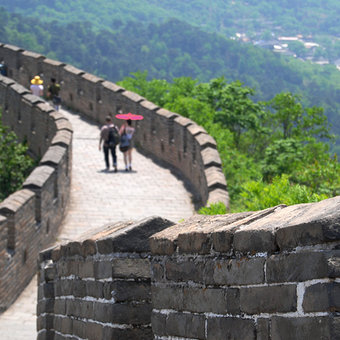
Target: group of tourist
x,y
37,88
110,134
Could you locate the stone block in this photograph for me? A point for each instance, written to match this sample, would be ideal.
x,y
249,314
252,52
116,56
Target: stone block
x,y
94,331
254,241
130,291
102,269
157,272
185,325
322,297
211,300
311,328
167,297
96,289
131,268
158,323
269,299
242,271
230,328
86,269
60,306
79,328
263,329
189,270
79,288
296,267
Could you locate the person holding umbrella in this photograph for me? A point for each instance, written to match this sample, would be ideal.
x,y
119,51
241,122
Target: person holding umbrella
x,y
126,132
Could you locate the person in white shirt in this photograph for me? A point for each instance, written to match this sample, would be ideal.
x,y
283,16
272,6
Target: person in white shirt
x,y
37,87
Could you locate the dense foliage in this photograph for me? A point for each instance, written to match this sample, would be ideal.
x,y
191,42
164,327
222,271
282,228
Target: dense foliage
x,y
271,151
175,49
224,16
15,164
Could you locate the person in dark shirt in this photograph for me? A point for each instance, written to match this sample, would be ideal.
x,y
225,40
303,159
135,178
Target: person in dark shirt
x,y
53,93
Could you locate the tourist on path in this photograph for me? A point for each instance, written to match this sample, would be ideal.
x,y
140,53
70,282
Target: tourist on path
x,y
53,93
37,87
126,132
109,135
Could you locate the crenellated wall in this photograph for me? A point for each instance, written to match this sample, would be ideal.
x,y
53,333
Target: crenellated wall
x,y
30,218
266,275
165,135
99,287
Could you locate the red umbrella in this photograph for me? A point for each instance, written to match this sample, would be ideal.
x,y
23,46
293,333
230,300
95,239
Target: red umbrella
x,y
127,116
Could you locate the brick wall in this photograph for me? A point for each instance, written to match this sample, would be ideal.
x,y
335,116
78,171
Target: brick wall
x,y
98,288
30,218
175,140
269,275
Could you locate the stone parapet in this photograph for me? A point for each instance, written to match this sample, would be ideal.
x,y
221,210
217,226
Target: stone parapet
x,y
175,140
30,218
99,286
272,274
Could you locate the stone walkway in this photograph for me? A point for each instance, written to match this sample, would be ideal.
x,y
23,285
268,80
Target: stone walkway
x,y
97,198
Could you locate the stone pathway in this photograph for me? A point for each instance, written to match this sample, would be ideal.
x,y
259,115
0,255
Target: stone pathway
x,y
97,198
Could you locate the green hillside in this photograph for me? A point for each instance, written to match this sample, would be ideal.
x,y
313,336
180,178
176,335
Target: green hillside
x,y
175,49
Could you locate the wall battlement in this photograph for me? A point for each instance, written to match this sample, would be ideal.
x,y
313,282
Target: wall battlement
x,y
30,218
267,275
167,136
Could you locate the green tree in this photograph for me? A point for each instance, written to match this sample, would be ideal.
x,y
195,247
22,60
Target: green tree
x,y
15,164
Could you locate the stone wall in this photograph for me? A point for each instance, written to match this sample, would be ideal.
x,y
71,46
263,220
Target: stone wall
x,y
98,288
175,140
269,275
30,218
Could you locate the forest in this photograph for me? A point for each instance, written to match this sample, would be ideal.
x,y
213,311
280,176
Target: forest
x,y
274,118
175,49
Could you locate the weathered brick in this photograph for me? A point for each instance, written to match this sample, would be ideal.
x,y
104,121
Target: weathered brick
x,y
214,300
95,289
134,268
94,331
242,271
269,299
296,267
184,270
322,297
158,322
130,291
102,269
312,328
230,328
263,329
79,328
167,297
185,325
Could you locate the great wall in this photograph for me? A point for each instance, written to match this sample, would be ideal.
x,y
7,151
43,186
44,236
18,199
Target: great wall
x,y
265,275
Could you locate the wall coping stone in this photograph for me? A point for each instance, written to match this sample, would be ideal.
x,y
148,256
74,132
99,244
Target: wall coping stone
x,y
33,55
166,113
149,105
13,48
6,81
113,87
196,129
274,229
53,156
133,96
54,62
74,70
15,201
184,121
20,89
38,177
92,78
62,138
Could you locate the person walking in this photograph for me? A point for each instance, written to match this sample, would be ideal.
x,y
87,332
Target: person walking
x,y
37,87
126,132
53,93
109,136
